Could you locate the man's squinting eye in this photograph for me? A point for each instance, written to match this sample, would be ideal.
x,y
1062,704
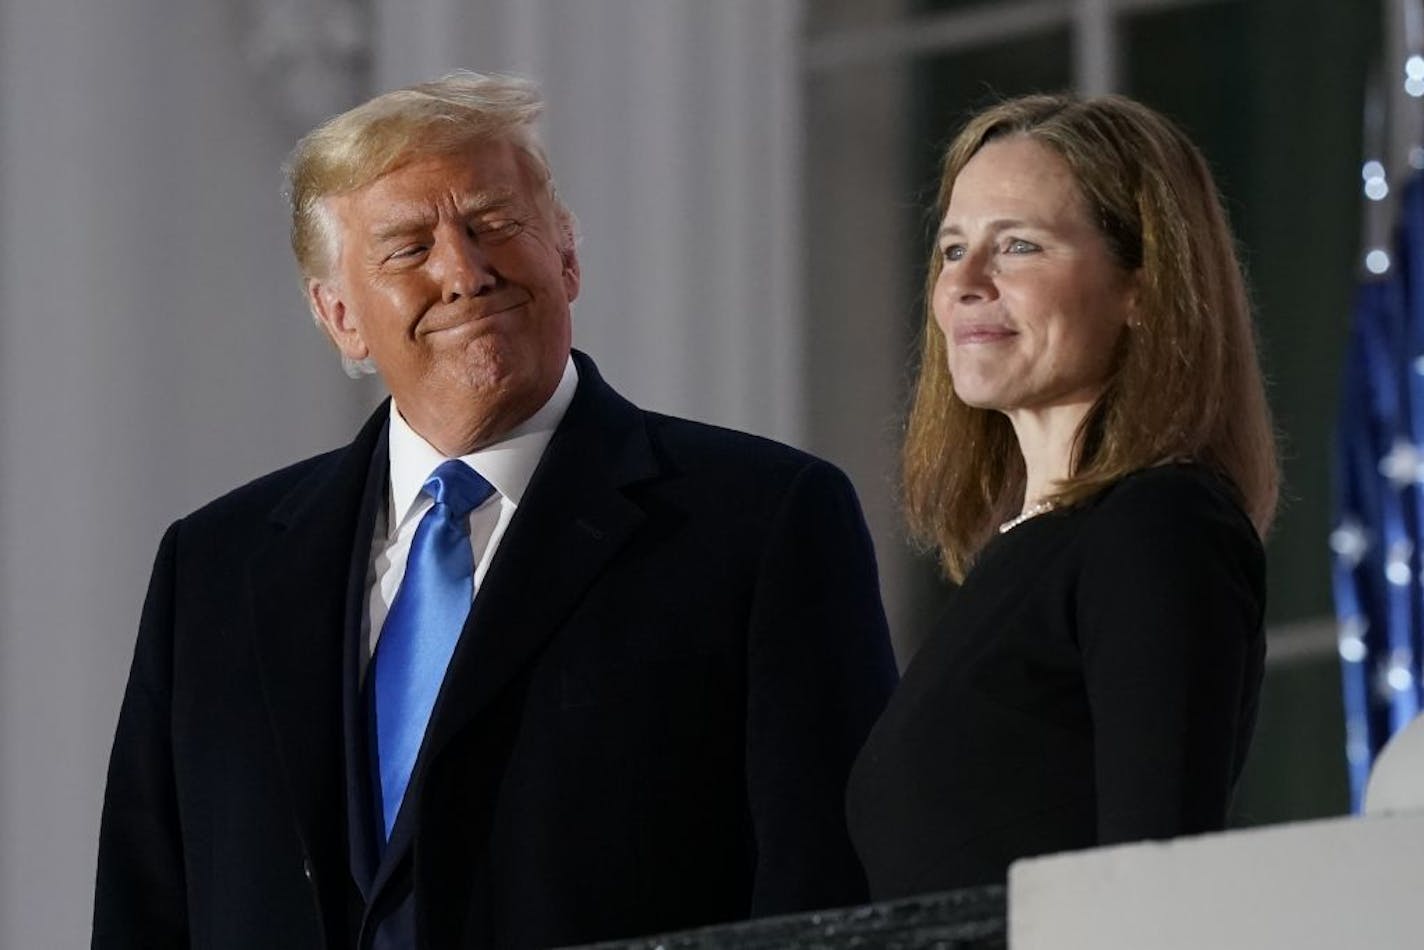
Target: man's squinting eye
x,y
500,229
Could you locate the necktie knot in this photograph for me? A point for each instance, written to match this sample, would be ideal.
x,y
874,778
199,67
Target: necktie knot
x,y
457,486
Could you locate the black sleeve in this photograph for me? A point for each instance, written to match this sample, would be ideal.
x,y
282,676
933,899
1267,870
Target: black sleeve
x,y
140,894
1169,617
820,670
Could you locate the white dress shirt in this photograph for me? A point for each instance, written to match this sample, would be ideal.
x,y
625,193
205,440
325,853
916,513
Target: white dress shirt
x,y
506,464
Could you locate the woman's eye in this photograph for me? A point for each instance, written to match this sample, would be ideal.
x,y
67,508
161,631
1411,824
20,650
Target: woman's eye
x,y
954,252
1020,246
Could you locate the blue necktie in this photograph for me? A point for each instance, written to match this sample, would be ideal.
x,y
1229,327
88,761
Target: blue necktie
x,y
423,626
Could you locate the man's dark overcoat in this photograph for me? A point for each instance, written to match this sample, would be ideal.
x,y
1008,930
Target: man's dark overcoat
x,y
647,724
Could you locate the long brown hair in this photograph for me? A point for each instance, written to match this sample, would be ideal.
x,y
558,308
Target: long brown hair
x,y
1185,383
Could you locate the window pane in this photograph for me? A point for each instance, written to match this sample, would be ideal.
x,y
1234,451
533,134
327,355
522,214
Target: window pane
x,y
1274,99
824,16
947,89
1193,65
951,6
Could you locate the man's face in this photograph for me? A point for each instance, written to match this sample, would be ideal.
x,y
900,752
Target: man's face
x,y
454,275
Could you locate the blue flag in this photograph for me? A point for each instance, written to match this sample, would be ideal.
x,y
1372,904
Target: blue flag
x,y
1379,520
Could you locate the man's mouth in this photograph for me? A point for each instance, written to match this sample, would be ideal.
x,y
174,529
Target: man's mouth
x,y
469,317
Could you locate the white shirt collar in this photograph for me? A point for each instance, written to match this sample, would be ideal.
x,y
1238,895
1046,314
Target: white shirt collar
x,y
507,464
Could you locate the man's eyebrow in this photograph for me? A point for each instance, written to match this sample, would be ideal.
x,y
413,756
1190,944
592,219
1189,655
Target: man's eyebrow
x,y
401,224
483,201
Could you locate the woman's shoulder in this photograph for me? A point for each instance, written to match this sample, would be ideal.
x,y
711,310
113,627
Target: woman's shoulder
x,y
1172,504
1170,538
1169,487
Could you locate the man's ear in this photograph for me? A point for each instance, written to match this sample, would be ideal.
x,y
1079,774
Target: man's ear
x,y
330,310
569,254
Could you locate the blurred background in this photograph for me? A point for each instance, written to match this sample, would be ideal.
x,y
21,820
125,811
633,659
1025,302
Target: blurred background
x,y
752,179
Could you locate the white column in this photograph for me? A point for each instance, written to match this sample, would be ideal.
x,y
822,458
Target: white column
x,y
154,351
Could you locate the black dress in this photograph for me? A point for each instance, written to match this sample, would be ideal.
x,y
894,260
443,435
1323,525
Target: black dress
x,y
1093,681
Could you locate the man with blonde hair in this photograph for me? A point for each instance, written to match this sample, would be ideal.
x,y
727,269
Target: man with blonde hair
x,y
521,666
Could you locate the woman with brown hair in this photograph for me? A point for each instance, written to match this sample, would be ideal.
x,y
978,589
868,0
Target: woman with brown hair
x,y
1090,452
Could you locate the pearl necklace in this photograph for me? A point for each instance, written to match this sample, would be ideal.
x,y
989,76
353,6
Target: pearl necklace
x,y
1033,510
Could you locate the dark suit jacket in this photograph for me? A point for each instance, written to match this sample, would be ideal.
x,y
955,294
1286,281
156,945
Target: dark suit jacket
x,y
647,724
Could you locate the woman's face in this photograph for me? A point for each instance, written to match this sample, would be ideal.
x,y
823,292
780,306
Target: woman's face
x,y
1029,298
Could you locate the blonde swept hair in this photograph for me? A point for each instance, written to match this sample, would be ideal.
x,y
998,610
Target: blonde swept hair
x,y
355,148
1184,383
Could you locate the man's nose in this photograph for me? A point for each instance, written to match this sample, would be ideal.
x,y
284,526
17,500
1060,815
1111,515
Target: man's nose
x,y
462,267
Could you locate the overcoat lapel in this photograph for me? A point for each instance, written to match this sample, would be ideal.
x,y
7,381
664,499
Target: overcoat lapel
x,y
362,775
298,585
